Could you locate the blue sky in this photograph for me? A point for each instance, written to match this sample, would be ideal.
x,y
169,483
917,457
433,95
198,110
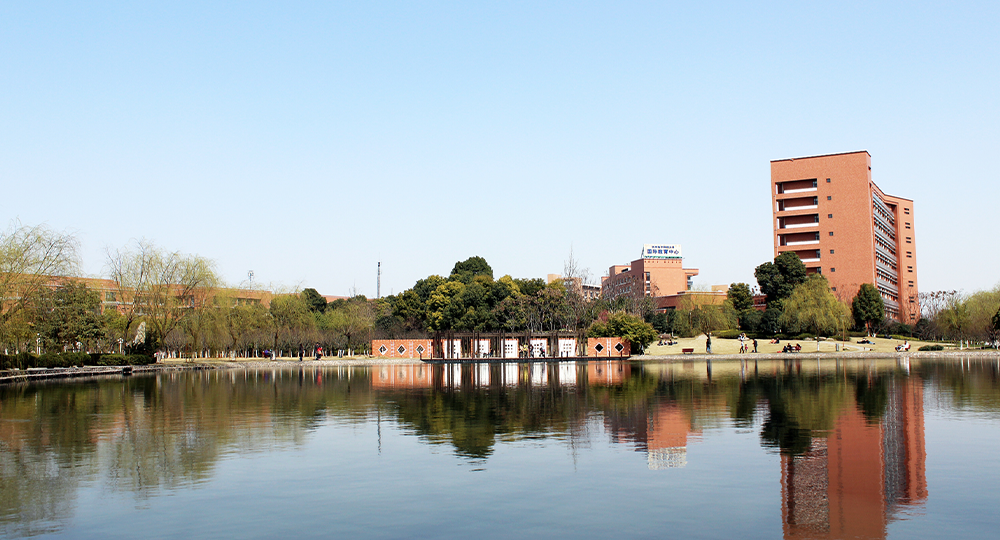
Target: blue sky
x,y
308,141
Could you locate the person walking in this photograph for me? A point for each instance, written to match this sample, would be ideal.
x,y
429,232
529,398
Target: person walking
x,y
708,343
302,352
755,345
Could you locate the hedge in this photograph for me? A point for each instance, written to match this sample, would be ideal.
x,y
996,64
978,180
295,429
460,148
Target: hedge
x,y
63,360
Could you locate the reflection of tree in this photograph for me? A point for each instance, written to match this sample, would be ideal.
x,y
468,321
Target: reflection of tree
x,y
145,434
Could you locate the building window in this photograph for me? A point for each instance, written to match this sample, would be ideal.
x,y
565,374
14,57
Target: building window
x,y
909,255
829,197
815,200
907,239
834,289
907,225
815,218
909,269
109,296
827,180
906,211
817,236
829,216
831,252
833,269
831,233
814,183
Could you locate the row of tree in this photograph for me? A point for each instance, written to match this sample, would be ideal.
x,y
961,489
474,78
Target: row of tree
x,y
156,301
176,303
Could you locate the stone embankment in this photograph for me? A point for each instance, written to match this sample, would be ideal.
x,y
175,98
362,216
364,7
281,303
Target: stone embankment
x,y
977,353
41,374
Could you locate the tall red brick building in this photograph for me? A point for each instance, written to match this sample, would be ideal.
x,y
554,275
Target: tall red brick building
x,y
828,211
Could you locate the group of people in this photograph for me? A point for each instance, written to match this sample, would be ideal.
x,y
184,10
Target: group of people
x,y
788,348
745,344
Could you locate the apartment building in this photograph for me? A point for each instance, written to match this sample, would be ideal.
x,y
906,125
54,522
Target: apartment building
x,y
828,211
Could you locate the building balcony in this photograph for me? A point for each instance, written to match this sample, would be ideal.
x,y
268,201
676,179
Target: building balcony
x,y
798,226
802,243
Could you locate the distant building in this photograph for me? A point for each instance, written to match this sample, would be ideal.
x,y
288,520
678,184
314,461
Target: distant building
x,y
588,292
659,272
827,210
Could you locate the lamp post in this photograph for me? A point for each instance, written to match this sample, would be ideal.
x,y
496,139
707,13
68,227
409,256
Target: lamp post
x,y
120,343
38,344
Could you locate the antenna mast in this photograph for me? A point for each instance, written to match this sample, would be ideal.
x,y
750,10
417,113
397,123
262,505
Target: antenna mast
x,y
378,284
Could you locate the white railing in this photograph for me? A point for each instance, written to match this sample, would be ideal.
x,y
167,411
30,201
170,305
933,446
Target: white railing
x,y
799,225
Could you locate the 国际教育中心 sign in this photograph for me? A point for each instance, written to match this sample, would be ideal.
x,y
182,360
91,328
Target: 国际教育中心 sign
x,y
661,251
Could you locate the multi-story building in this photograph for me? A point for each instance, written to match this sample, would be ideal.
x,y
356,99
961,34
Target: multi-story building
x,y
827,210
658,273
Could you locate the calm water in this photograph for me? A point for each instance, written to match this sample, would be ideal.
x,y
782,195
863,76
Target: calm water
x,y
806,449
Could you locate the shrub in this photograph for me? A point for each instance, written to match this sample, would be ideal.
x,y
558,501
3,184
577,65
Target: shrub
x,y
140,359
53,360
931,348
76,359
112,360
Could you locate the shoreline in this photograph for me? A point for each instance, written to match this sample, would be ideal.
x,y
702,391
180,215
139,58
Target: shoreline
x,y
33,375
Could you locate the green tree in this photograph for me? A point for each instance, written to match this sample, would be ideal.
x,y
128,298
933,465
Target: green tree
x,y
739,294
868,307
638,332
812,307
70,314
777,280
466,270
29,259
314,300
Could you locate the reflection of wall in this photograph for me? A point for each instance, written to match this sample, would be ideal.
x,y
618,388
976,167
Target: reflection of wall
x,y
849,484
608,372
404,376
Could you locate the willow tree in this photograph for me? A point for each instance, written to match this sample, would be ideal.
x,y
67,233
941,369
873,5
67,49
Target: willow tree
x,y
162,288
813,308
30,257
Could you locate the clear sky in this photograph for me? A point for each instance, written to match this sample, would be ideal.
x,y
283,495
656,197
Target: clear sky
x,y
308,141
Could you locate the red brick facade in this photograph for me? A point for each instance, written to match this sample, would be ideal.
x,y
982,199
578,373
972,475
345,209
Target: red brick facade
x,y
608,347
401,348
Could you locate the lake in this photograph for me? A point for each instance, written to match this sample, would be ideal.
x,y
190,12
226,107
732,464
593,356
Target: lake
x,y
774,449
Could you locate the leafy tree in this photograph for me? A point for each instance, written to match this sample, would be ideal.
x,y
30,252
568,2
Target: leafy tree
x,y
868,307
444,308
468,269
739,294
777,280
813,307
770,321
29,258
995,328
314,300
530,287
70,314
740,299
638,332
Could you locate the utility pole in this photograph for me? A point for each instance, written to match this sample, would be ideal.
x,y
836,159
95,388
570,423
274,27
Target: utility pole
x,y
378,283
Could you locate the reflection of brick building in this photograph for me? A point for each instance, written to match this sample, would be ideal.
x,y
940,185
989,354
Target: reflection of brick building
x,y
850,484
662,432
667,437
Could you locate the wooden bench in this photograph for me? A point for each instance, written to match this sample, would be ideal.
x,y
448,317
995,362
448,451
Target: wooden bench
x,y
687,351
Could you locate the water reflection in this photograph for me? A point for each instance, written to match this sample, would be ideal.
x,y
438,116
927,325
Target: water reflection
x,y
849,435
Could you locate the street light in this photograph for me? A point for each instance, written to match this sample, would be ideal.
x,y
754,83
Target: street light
x,y
38,344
